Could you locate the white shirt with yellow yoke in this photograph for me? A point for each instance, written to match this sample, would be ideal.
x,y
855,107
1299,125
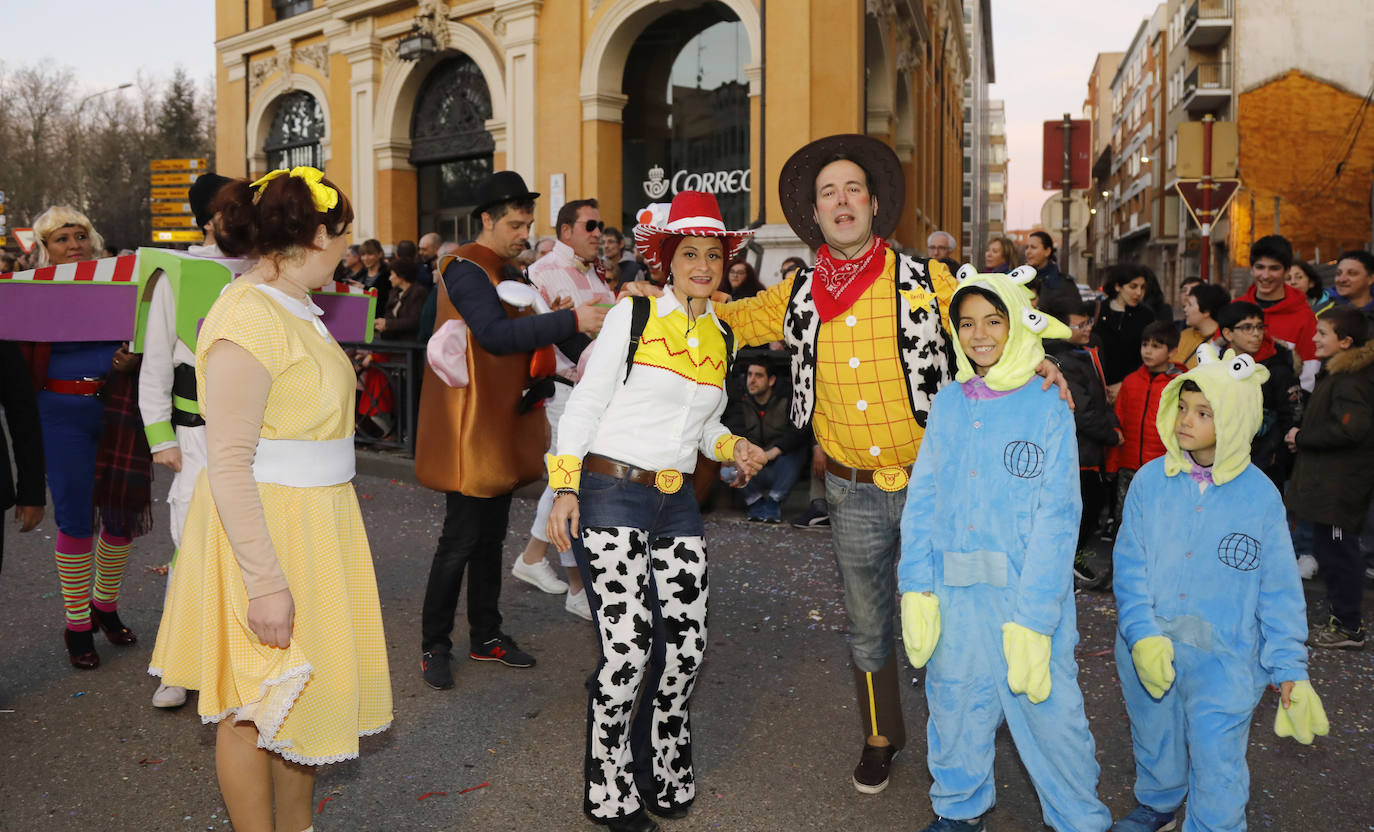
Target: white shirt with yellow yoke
x,y
667,409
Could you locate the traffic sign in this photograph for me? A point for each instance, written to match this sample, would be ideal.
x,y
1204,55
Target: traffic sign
x,y
25,238
1222,192
3,242
171,207
180,221
178,236
173,193
1225,149
174,178
1080,154
176,164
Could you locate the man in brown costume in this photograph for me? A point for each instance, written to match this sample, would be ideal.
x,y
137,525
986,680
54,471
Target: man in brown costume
x,y
474,443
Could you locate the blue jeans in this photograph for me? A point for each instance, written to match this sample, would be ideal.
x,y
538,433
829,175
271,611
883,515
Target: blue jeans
x,y
866,523
777,477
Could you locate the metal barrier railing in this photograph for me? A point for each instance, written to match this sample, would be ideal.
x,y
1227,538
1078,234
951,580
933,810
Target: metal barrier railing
x,y
402,362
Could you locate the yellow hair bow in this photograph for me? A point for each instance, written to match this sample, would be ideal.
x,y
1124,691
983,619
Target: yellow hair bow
x,y
325,197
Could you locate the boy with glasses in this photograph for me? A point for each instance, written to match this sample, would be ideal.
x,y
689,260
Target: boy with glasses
x,y
1243,326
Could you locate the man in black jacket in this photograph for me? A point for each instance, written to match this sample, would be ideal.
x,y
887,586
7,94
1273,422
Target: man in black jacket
x,y
21,416
764,419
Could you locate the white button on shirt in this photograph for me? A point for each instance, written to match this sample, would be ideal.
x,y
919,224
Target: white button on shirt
x,y
854,363
861,405
851,321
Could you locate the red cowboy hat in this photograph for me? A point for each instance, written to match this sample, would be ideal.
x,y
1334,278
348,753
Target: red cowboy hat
x,y
693,214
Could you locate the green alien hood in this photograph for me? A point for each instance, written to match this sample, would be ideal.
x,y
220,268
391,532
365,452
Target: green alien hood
x,y
1023,352
1231,384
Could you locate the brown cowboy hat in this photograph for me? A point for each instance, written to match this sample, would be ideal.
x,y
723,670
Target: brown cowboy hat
x,y
797,183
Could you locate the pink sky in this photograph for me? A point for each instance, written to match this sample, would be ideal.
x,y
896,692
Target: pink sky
x,y
1043,52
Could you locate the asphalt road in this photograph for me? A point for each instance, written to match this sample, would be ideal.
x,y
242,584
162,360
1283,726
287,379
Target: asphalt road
x,y
776,730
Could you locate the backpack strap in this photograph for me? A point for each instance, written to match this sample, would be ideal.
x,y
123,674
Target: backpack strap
x,y
639,318
729,346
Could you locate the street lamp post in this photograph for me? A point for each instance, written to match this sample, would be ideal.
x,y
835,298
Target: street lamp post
x,y
81,143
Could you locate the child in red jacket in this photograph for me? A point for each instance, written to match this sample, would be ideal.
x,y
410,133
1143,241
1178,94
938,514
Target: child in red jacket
x,y
1137,403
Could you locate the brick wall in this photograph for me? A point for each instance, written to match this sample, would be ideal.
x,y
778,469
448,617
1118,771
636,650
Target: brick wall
x,y
1293,133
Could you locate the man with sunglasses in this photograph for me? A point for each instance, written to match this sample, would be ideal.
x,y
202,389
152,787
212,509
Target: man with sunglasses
x,y
572,272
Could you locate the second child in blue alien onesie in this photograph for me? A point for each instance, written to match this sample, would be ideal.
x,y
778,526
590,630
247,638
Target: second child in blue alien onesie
x,y
1209,605
988,537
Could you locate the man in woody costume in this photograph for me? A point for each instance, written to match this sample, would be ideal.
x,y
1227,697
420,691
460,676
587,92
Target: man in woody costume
x,y
869,350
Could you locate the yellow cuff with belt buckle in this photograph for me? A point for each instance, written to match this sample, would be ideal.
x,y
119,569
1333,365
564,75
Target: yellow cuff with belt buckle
x,y
565,472
725,447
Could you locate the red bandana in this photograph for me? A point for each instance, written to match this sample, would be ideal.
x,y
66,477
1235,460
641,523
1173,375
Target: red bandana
x,y
836,284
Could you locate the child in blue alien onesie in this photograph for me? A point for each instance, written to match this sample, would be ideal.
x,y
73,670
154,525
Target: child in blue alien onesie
x,y
1209,604
986,573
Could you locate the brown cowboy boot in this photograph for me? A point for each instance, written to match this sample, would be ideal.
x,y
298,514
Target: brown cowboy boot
x,y
880,713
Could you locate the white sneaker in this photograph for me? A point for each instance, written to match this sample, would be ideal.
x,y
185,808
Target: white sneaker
x,y
578,605
539,575
169,696
1307,567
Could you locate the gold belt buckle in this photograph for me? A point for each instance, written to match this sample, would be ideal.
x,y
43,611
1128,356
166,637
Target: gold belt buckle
x,y
668,481
891,478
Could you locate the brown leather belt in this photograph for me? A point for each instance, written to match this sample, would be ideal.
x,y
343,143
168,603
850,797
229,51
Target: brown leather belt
x,y
844,472
598,464
75,386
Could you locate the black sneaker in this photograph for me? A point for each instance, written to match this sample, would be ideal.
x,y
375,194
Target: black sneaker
x,y
1334,636
870,775
817,516
1091,570
437,668
501,649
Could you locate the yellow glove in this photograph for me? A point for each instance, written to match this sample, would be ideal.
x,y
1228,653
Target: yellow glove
x,y
1153,657
1304,719
920,626
1028,661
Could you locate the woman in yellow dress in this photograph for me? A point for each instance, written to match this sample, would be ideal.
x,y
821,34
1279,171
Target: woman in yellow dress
x,y
273,612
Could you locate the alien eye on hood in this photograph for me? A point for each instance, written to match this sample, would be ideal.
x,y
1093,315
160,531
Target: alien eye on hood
x,y
1241,367
1022,275
1206,354
966,271
1035,321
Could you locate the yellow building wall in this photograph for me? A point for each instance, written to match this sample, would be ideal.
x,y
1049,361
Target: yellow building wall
x,y
230,117
562,140
1319,210
340,164
787,109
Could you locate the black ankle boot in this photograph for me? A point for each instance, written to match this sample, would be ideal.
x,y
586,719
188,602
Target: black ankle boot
x,y
115,631
637,822
81,648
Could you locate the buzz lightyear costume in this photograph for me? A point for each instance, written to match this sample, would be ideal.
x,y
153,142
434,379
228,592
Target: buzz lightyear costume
x,y
988,537
1210,609
178,292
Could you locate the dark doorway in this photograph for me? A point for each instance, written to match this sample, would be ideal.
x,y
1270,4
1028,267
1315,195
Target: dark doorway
x,y
450,147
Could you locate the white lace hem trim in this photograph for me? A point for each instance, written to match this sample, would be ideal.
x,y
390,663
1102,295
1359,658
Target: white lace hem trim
x,y
270,724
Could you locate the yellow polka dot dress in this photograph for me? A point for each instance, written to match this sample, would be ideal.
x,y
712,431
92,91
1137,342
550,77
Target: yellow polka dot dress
x,y
314,699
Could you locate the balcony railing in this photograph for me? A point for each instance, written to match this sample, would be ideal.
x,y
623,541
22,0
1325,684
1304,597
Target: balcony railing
x,y
1207,22
1207,87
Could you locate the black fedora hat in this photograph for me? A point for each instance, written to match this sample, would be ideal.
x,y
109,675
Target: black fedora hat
x,y
797,182
502,186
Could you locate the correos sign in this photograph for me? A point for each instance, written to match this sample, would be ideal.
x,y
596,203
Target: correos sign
x,y
711,181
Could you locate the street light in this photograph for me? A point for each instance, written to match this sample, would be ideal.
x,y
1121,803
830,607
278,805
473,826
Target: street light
x,y
81,145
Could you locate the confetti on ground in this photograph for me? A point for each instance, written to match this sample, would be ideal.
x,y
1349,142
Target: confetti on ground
x,y
319,810
158,570
149,762
79,693
433,794
474,788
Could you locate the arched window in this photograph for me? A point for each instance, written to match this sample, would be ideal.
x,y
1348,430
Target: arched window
x,y
450,146
686,120
294,138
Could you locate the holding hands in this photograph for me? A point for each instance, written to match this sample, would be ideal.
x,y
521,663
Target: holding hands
x,y
749,460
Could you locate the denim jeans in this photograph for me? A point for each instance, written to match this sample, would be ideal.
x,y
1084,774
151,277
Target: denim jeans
x,y
866,523
777,477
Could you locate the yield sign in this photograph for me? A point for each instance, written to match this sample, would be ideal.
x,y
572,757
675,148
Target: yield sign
x,y
25,238
1222,192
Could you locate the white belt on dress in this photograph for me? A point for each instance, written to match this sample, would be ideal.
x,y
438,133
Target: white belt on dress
x,y
304,463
